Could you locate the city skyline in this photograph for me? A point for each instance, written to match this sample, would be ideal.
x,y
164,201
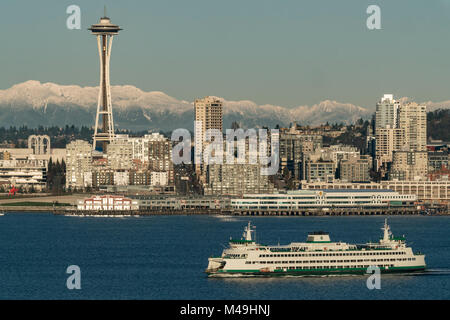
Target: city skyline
x,y
304,66
121,174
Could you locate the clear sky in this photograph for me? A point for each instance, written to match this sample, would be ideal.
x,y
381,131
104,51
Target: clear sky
x,y
283,52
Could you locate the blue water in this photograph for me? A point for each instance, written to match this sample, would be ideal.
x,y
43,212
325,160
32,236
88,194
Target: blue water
x,y
163,257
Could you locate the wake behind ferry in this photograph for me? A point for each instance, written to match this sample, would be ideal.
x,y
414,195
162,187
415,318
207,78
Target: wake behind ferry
x,y
317,256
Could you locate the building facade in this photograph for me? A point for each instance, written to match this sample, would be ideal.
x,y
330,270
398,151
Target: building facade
x,y
427,191
78,163
293,147
208,115
355,169
409,165
108,203
27,173
311,199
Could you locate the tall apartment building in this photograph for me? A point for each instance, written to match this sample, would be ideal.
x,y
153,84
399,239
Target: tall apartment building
x,y
413,119
388,135
160,159
208,115
386,114
78,162
387,141
398,127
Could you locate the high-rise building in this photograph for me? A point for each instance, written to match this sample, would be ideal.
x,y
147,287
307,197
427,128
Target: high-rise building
x,y
413,119
104,130
160,159
78,163
387,140
398,127
208,115
386,114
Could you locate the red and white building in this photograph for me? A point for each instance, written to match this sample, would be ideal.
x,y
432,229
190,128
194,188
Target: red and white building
x,y
108,202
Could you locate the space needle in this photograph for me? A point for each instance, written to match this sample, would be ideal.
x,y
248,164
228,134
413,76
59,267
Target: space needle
x,y
104,130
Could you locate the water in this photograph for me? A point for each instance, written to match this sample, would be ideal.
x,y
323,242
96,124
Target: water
x,y
163,257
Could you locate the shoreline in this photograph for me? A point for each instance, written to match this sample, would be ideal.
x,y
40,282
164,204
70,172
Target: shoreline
x,y
64,211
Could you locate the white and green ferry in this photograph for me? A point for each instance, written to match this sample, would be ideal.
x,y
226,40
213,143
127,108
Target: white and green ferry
x,y
317,256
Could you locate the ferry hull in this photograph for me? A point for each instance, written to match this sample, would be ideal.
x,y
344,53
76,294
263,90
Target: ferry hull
x,y
326,272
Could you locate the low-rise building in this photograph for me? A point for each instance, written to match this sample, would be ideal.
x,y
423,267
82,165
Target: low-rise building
x,y
29,173
319,170
310,199
427,191
438,160
108,203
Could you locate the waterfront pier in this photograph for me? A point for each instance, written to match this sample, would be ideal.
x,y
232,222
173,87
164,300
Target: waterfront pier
x,y
311,212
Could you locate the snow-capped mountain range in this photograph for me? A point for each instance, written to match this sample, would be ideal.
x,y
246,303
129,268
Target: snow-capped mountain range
x,y
33,103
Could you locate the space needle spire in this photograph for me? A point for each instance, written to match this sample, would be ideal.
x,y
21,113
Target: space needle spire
x,y
104,123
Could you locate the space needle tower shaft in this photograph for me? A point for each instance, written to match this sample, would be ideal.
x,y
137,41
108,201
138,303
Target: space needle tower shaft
x,y
104,123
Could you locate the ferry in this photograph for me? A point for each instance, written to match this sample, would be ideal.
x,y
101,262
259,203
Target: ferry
x,y
317,256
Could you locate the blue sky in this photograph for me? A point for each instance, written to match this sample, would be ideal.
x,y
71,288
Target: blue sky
x,y
284,52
